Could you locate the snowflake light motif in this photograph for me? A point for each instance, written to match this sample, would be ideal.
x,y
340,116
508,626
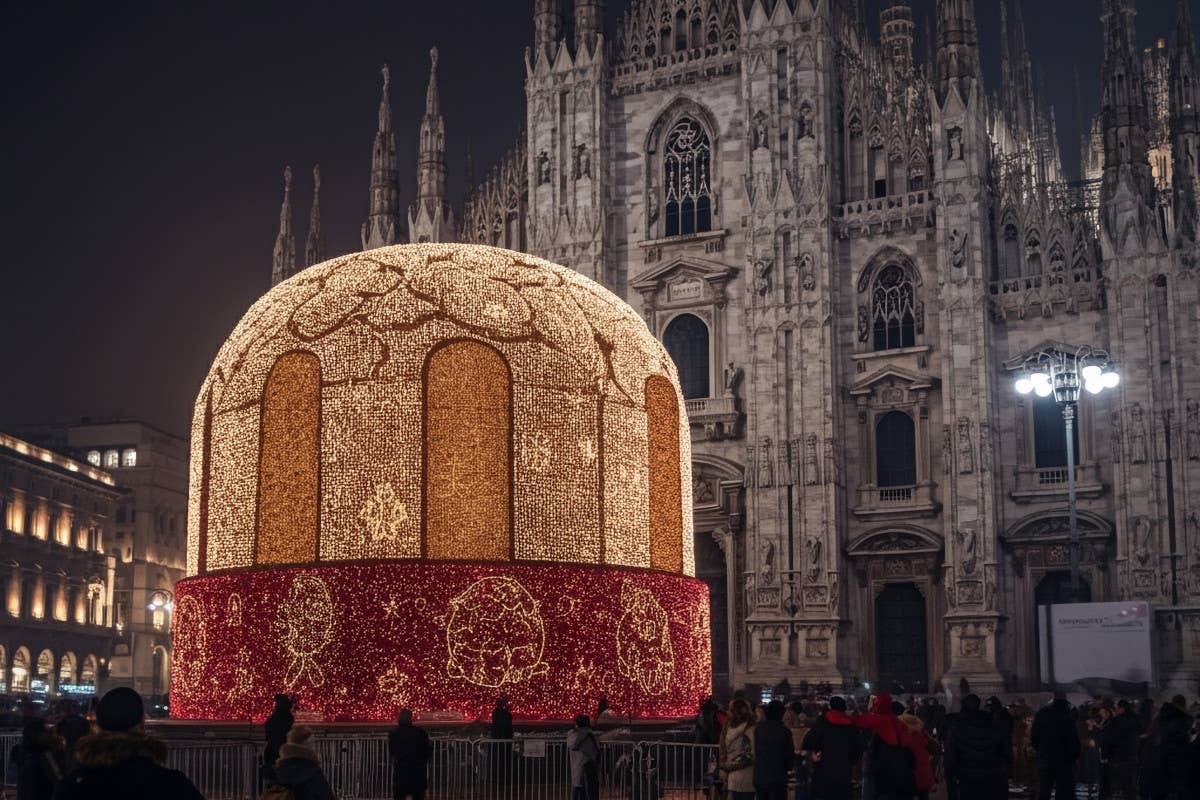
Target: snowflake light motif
x,y
383,514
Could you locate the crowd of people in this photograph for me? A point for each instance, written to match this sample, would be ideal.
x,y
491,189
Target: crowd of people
x,y
879,748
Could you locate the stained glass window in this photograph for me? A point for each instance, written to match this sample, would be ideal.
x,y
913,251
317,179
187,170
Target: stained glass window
x,y
686,177
893,303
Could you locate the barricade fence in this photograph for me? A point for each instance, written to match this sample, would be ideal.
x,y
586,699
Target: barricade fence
x,y
358,768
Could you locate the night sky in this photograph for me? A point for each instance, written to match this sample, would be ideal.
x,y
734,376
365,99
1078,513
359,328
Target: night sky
x,y
143,147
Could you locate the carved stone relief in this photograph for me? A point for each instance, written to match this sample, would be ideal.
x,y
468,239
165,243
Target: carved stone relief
x,y
966,451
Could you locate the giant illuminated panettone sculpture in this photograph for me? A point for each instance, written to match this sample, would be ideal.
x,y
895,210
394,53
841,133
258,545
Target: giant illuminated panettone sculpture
x,y
431,475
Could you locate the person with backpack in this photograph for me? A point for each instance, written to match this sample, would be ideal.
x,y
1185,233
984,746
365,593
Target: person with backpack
x,y
39,760
1055,739
836,746
409,748
120,762
584,754
735,752
923,747
298,774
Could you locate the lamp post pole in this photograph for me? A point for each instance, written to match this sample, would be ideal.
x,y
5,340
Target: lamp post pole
x,y
1053,371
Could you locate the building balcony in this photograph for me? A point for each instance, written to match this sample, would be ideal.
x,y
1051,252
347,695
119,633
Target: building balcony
x,y
896,501
713,418
881,215
1071,290
1050,483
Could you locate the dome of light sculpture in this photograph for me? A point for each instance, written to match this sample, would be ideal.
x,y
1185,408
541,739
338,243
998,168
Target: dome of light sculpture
x,y
428,475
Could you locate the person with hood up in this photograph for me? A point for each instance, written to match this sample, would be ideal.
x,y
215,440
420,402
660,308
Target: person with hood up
x,y
299,769
409,749
735,752
39,761
276,730
976,755
1118,749
120,762
1055,739
1004,727
774,754
892,760
923,747
584,753
836,746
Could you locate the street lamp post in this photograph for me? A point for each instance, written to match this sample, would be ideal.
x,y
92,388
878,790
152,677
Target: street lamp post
x,y
1058,373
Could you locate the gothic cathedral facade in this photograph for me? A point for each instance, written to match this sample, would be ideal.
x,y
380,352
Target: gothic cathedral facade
x,y
850,252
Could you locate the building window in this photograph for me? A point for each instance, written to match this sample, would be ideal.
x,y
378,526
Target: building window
x,y
44,673
129,457
893,304
112,459
686,176
20,671
66,670
3,670
895,450
93,457
1050,435
1011,263
686,339
87,673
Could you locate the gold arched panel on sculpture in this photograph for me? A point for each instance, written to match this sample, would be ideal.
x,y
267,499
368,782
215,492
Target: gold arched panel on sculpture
x,y
468,453
666,491
289,462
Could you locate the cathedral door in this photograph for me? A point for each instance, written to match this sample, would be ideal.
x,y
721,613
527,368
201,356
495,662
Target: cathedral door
x,y
1053,589
900,643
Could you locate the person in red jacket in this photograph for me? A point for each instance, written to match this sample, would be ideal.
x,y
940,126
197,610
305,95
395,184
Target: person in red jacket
x,y
923,747
883,722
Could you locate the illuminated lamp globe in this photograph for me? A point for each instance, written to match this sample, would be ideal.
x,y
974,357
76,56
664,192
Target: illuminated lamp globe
x,y
1090,373
1023,385
1111,379
427,476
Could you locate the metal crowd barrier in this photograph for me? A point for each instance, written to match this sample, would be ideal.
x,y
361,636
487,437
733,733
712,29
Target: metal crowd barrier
x,y
358,768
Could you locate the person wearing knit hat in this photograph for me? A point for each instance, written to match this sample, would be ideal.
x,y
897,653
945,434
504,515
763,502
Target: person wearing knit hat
x,y
119,761
299,768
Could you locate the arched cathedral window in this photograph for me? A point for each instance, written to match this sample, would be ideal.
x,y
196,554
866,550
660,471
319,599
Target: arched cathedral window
x,y
686,339
686,176
893,309
895,450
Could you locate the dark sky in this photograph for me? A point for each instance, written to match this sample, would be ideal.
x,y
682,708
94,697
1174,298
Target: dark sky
x,y
143,145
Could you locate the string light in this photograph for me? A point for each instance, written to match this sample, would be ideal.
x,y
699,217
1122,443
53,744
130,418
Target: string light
x,y
381,418
639,637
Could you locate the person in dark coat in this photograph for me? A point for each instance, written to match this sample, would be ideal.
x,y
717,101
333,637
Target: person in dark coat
x,y
976,755
277,727
835,746
1004,728
1055,739
39,760
774,754
409,749
1166,753
71,728
120,762
502,723
1119,751
299,769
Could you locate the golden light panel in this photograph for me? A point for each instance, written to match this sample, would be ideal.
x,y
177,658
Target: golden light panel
x,y
452,401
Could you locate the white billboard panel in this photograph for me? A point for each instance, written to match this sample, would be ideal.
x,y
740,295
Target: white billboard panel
x,y
1092,642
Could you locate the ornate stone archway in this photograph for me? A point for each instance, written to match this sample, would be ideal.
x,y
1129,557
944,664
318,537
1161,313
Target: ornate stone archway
x,y
899,554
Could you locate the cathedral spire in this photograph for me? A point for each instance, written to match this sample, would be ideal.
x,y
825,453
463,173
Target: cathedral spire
x,y
429,216
1184,114
1124,119
957,46
431,158
589,24
383,220
314,245
547,29
283,260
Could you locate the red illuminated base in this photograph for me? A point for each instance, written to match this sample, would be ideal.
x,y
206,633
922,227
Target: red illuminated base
x,y
358,641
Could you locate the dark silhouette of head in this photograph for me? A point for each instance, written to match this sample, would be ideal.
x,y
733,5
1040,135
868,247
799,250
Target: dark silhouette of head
x,y
582,721
970,702
837,704
775,709
119,710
